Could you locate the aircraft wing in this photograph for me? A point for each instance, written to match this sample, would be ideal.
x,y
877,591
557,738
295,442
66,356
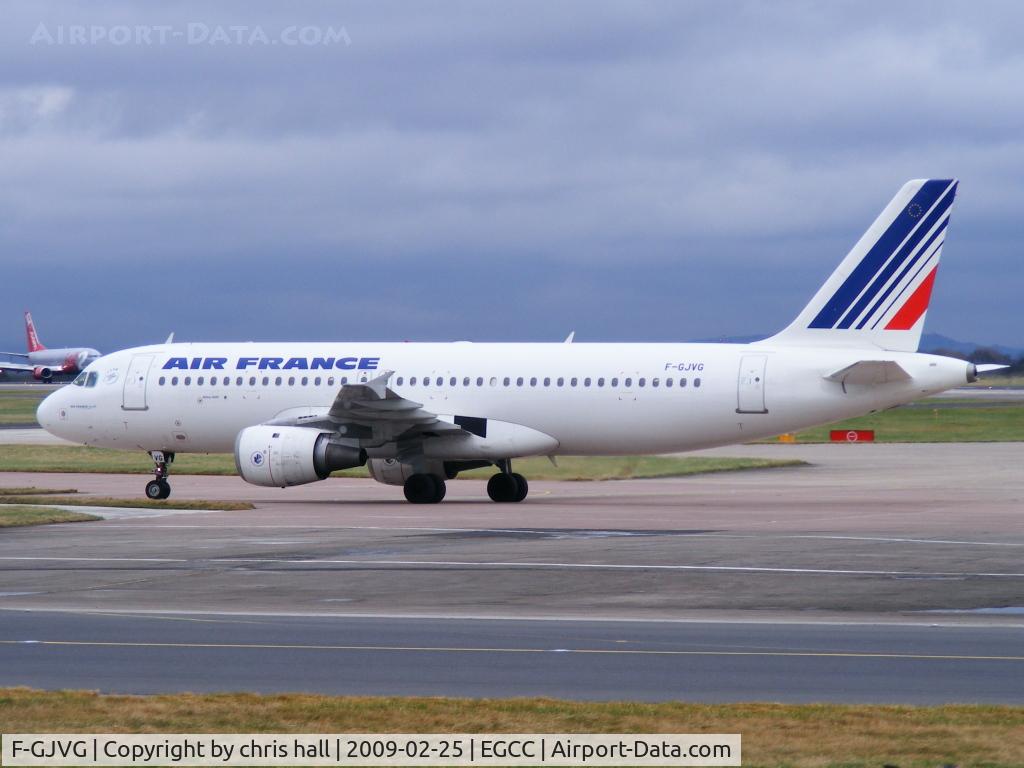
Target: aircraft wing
x,y
373,412
870,372
10,366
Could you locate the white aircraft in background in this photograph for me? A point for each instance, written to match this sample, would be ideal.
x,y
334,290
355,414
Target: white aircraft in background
x,y
43,362
419,414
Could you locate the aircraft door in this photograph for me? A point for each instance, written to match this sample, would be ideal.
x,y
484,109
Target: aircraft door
x,y
750,397
134,393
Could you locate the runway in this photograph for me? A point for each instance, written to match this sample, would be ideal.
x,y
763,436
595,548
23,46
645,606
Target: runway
x,y
648,661
889,573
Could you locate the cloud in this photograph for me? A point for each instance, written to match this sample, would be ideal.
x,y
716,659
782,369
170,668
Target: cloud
x,y
443,150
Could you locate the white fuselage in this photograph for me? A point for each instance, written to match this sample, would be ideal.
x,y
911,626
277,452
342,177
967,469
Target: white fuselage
x,y
591,398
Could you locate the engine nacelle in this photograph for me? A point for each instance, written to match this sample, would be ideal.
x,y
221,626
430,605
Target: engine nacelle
x,y
42,373
277,457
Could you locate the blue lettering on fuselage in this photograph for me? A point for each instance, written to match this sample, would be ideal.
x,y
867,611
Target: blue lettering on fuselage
x,y
273,363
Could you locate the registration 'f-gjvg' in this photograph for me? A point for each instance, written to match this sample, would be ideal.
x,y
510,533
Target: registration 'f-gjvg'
x,y
418,414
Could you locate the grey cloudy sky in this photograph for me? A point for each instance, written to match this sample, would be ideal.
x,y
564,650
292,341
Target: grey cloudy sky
x,y
633,171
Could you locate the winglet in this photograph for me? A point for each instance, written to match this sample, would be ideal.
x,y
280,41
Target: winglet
x,y
570,337
379,384
170,338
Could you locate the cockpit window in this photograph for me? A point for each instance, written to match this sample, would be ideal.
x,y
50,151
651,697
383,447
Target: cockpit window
x,y
93,377
80,380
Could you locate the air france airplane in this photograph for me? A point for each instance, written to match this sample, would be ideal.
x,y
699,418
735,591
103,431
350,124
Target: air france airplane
x,y
418,414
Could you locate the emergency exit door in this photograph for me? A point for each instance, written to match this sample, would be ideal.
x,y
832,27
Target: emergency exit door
x,y
750,387
134,397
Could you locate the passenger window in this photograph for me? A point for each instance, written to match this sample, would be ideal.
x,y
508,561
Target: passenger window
x,y
316,381
187,381
200,380
465,381
440,381
519,381
426,381
668,382
494,381
547,382
277,381
627,382
305,381
560,382
533,381
398,381
682,382
266,381
174,381
586,382
696,382
330,381
291,381
506,381
615,382
641,382
412,380
479,381
160,381
600,382
213,380
452,381
343,380
654,382
573,381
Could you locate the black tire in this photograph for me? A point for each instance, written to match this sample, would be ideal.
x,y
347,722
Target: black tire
x,y
155,490
522,487
165,489
440,489
422,488
502,488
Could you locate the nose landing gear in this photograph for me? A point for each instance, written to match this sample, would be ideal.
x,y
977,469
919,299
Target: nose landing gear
x,y
160,488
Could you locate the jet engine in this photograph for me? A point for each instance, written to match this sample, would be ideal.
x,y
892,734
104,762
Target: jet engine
x,y
281,456
42,373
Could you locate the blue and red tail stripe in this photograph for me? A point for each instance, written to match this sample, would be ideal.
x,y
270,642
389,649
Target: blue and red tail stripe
x,y
908,236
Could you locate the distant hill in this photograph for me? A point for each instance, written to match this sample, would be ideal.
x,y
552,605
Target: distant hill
x,y
934,341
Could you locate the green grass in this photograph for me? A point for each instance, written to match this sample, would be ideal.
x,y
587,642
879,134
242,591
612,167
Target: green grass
x,y
19,407
15,516
798,736
141,502
59,458
967,424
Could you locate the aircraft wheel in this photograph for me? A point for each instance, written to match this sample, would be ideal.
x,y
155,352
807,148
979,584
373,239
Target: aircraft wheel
x,y
522,487
158,489
502,488
424,489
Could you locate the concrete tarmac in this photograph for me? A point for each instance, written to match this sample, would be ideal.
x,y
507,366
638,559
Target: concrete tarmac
x,y
908,551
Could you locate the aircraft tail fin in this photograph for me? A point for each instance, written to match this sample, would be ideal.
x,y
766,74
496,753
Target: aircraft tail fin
x,y
879,294
31,335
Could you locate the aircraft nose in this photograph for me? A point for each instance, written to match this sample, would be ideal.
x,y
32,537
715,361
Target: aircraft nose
x,y
48,411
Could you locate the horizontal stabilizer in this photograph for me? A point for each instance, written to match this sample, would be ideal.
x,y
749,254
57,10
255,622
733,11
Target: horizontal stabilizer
x,y
869,373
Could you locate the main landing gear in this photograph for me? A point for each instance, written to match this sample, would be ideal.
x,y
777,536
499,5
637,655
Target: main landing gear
x,y
160,488
422,488
507,486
